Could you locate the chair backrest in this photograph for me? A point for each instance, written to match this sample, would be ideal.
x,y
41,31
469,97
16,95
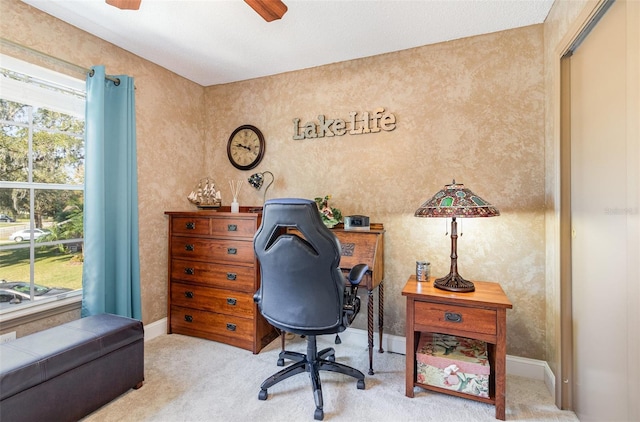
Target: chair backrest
x,y
302,287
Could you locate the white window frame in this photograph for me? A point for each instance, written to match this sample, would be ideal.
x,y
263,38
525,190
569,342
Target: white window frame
x,y
33,94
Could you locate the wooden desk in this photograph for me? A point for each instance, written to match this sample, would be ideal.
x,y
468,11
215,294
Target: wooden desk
x,y
365,247
482,315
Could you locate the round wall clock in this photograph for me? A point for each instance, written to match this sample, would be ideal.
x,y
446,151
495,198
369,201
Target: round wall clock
x,y
245,148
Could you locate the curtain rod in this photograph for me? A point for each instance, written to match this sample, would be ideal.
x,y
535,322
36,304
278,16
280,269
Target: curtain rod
x,y
55,60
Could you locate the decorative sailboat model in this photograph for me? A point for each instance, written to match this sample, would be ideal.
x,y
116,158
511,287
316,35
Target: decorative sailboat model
x,y
205,195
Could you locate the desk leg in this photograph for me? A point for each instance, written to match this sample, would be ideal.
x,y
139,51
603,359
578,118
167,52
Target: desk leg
x,y
370,329
501,363
410,357
380,313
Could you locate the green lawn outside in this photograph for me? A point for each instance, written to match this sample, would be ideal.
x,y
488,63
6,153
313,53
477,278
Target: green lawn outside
x,y
53,268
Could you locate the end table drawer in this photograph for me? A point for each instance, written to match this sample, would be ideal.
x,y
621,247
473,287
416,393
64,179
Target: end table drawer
x,y
456,317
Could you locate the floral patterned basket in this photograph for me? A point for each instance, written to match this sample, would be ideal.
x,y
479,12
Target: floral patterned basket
x,y
454,363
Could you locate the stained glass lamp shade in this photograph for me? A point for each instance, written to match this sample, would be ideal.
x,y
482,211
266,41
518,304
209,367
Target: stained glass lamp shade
x,y
454,201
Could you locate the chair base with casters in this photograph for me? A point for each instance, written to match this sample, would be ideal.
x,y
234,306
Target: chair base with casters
x,y
287,354
294,356
313,362
324,360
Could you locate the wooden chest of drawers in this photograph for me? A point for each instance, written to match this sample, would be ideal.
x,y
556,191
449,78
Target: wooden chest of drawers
x,y
213,274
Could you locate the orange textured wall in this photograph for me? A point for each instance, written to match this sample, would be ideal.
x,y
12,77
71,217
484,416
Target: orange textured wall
x,y
471,109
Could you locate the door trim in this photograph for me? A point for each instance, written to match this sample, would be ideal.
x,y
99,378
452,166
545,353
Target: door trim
x,y
572,39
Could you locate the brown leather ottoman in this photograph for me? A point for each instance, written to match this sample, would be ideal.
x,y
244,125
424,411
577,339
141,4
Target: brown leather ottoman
x,y
66,372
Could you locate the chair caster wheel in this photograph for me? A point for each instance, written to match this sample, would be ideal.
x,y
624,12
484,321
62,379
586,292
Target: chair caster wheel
x,y
318,415
262,395
360,385
280,362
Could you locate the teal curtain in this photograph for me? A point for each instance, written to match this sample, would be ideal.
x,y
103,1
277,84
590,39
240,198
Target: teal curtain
x,y
111,271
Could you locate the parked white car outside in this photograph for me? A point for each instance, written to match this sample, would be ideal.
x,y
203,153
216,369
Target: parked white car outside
x,y
25,234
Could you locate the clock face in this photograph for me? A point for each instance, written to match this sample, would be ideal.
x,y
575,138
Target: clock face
x,y
245,148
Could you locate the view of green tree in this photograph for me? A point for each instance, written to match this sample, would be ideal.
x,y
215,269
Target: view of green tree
x,y
58,157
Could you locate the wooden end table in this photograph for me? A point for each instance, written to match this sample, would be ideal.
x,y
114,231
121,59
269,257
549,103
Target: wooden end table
x,y
480,315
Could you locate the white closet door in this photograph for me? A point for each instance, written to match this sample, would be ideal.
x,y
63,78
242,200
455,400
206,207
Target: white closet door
x,y
604,208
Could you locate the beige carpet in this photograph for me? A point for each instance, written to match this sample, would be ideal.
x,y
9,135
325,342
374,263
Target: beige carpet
x,y
190,379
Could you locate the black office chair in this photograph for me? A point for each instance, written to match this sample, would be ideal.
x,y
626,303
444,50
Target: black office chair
x,y
302,289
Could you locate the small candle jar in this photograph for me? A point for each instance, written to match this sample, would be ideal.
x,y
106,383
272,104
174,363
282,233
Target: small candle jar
x,y
422,270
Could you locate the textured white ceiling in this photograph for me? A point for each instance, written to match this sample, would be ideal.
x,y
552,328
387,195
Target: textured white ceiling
x,y
219,41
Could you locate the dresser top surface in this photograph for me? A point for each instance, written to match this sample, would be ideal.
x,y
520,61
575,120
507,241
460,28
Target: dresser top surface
x,y
224,211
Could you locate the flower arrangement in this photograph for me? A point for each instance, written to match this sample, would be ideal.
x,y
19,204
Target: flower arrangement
x,y
330,216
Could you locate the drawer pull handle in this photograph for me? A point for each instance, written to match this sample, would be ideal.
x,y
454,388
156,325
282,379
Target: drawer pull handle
x,y
189,271
188,318
231,276
188,295
189,247
232,251
232,227
231,301
231,327
190,225
452,317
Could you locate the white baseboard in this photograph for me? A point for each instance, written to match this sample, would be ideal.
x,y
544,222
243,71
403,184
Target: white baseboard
x,y
155,329
523,367
549,379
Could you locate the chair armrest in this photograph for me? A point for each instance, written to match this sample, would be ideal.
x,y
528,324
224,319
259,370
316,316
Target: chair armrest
x,y
356,273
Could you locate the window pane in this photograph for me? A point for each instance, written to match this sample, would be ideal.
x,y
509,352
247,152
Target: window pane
x,y
8,216
11,111
14,211
57,271
59,213
14,144
58,151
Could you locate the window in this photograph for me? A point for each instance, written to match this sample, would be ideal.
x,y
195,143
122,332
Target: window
x,y
41,184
